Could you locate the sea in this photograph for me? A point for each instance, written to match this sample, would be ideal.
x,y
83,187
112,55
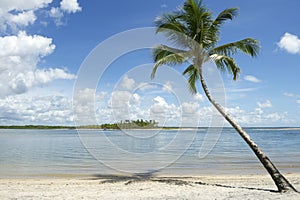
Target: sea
x,y
182,152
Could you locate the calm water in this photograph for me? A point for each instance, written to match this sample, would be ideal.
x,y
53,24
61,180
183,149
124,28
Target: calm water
x,y
57,152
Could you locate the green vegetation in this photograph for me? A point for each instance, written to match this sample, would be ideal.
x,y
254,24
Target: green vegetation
x,y
127,124
36,127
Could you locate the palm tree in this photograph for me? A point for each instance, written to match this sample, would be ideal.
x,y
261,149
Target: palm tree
x,y
195,33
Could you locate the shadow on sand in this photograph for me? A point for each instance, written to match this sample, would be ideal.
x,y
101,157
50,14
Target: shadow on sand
x,y
187,181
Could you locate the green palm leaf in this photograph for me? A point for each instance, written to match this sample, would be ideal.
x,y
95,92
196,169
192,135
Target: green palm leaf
x,y
248,46
193,76
225,15
224,62
166,55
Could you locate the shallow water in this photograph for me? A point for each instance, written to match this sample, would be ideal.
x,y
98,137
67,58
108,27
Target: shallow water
x,y
26,153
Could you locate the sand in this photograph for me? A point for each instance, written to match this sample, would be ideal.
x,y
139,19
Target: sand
x,y
120,187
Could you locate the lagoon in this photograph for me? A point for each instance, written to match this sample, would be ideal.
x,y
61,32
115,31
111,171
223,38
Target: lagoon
x,y
35,153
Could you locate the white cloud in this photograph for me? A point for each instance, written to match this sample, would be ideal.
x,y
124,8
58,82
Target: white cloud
x,y
19,58
136,99
52,109
266,104
189,108
239,90
160,101
10,5
23,19
292,95
289,94
70,6
57,109
252,79
258,117
57,15
88,105
120,103
127,83
290,43
163,112
199,97
15,13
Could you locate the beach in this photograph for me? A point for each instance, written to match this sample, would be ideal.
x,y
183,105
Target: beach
x,y
127,187
33,168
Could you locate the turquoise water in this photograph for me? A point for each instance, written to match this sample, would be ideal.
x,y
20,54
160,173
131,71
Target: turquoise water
x,y
26,153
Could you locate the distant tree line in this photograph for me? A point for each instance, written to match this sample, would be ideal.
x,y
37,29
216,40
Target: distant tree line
x,y
126,124
136,124
36,127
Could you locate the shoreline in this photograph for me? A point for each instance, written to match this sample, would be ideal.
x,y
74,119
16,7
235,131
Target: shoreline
x,y
42,127
132,187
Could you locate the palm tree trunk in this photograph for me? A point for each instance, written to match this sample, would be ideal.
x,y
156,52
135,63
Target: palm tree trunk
x,y
281,182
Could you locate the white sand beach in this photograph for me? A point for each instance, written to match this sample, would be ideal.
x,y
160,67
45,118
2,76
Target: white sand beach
x,y
118,187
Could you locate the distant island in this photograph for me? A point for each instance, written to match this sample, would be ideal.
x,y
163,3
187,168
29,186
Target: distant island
x,y
126,124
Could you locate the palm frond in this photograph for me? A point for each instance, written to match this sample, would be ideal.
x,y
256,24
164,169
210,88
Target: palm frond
x,y
174,29
166,55
226,63
212,34
193,75
225,15
169,22
162,51
248,46
197,19
194,30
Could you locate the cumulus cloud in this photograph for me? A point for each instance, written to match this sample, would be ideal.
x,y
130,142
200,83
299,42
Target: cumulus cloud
x,y
18,5
66,6
127,83
70,6
252,79
91,107
52,109
19,58
23,18
124,105
258,117
15,14
199,97
164,112
57,15
266,104
290,43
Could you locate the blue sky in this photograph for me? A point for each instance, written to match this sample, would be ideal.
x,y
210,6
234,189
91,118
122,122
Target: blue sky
x,y
44,43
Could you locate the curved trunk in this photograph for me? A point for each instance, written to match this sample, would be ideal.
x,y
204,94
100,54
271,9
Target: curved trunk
x,y
281,182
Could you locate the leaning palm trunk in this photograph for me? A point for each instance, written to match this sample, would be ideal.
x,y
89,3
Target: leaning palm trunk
x,y
281,182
